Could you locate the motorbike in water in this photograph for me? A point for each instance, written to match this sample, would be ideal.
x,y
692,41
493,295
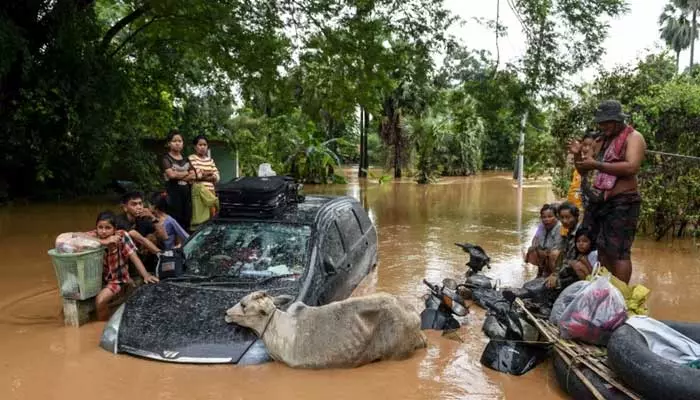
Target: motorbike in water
x,y
441,304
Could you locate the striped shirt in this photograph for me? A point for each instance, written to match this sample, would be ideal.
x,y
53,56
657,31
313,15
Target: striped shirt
x,y
205,164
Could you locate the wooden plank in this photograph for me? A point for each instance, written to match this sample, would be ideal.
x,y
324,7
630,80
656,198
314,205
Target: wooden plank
x,y
77,312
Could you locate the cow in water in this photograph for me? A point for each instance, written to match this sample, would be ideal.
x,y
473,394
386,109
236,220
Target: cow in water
x,y
342,334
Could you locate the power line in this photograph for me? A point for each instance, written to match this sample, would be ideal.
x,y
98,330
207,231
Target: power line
x,y
673,155
498,50
514,9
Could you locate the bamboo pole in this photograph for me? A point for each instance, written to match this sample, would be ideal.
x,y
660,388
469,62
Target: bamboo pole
x,y
559,344
579,374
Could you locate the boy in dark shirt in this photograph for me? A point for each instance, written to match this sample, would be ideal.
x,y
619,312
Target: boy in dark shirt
x,y
142,226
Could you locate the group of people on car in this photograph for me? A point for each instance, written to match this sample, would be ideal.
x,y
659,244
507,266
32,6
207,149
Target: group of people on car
x,y
142,232
567,247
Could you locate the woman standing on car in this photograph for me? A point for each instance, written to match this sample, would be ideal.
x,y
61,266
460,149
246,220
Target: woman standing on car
x,y
206,175
179,175
206,172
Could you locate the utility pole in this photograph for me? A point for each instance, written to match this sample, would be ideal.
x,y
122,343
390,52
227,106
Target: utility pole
x,y
521,149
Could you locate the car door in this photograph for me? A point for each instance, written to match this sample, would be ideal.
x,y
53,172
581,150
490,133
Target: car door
x,y
332,256
358,259
369,233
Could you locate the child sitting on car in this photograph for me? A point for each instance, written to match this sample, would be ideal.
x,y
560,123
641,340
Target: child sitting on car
x,y
120,249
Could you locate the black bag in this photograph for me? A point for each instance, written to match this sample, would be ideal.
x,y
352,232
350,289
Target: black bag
x,y
170,263
514,357
257,196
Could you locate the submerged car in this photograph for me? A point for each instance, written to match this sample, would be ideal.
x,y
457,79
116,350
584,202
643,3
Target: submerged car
x,y
317,250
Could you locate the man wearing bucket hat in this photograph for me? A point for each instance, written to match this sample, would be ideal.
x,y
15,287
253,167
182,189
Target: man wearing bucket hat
x,y
616,164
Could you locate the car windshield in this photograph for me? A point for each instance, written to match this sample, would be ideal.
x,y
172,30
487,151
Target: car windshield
x,y
248,249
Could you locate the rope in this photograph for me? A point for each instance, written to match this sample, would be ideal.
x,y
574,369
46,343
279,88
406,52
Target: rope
x,y
267,323
673,155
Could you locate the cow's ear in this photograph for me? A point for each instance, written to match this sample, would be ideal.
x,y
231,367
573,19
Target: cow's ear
x,y
283,299
258,295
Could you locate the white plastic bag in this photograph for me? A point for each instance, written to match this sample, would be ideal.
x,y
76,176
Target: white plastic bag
x,y
70,289
565,298
76,242
594,313
265,169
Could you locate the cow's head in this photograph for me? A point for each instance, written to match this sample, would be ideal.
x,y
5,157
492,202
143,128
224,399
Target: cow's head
x,y
254,310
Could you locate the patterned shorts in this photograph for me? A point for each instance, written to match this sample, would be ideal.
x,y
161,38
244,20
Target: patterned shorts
x,y
616,219
114,287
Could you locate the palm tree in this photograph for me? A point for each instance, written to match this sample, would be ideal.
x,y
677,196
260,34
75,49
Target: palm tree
x,y
690,7
676,30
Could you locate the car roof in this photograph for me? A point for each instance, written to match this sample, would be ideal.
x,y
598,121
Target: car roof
x,y
305,213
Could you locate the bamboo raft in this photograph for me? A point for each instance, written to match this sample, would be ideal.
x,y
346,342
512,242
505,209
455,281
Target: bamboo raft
x,y
576,354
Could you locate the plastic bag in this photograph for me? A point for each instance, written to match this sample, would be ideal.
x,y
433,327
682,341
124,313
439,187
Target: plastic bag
x,y
635,296
265,169
509,326
76,242
594,313
70,289
513,357
565,298
480,281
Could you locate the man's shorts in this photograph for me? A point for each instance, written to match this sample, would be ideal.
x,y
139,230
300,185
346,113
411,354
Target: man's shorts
x,y
617,219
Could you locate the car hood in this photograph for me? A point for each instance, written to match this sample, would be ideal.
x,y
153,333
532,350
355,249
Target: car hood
x,y
180,322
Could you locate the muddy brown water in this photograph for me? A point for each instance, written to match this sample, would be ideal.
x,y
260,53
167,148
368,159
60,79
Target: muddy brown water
x,y
41,359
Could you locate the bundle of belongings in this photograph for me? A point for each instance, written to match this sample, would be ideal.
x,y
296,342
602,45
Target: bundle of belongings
x,y
515,346
76,242
73,243
587,310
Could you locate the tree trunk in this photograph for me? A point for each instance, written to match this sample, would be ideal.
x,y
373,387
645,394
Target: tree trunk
x,y
692,40
397,160
362,171
678,61
365,155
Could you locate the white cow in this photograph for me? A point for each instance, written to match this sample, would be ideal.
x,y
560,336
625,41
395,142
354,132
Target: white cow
x,y
346,333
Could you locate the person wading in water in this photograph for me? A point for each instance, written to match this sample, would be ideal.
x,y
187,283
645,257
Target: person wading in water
x,y
617,164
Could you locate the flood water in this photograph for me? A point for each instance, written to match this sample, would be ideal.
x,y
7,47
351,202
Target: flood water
x,y
41,359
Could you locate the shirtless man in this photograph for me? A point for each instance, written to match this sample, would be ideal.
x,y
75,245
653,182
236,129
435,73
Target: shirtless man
x,y
617,163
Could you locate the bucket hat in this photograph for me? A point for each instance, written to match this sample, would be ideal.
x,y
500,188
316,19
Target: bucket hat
x,y
609,110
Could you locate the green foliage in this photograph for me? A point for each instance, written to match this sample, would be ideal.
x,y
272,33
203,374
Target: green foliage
x,y
563,37
290,143
676,30
84,83
426,133
666,109
448,138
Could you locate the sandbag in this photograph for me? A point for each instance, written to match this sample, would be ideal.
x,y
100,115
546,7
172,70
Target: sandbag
x,y
594,313
565,298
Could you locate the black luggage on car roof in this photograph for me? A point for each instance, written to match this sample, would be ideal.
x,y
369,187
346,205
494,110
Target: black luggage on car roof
x,y
257,196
